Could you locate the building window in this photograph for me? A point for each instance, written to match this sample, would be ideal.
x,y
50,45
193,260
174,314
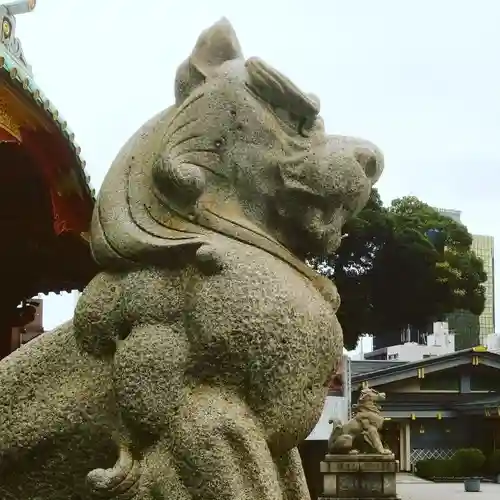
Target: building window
x,y
440,381
381,356
484,382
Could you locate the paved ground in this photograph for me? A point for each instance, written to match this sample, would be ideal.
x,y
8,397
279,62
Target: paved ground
x,y
414,488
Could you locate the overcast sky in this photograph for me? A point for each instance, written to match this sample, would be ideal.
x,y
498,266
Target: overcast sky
x,y
419,78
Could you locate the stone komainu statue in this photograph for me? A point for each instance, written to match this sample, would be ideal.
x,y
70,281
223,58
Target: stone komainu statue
x,y
197,359
363,428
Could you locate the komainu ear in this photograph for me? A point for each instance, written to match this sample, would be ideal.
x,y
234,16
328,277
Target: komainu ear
x,y
215,46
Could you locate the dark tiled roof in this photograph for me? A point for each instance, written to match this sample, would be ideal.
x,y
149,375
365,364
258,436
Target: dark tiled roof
x,y
430,397
368,366
401,366
416,401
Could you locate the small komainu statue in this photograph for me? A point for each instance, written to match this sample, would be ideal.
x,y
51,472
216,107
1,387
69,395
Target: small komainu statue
x,y
197,358
363,428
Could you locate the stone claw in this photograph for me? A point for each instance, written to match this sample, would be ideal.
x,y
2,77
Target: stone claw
x,y
117,480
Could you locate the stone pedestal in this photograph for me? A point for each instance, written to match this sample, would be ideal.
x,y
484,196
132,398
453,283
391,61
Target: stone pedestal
x,y
353,477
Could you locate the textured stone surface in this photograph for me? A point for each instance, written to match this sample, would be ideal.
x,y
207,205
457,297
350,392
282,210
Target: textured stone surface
x,y
366,476
197,360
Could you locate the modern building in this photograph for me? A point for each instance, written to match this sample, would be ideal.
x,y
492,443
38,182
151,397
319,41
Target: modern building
x,y
440,342
410,334
483,247
456,215
474,330
46,202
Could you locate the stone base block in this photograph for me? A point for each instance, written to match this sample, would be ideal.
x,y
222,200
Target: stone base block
x,y
356,477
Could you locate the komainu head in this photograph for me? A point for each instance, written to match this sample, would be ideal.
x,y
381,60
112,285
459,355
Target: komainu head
x,y
370,395
242,154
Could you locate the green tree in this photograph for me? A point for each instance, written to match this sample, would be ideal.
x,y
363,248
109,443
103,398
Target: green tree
x,y
402,264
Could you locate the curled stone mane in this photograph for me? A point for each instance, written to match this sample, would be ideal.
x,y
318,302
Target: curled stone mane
x,y
172,189
134,222
147,208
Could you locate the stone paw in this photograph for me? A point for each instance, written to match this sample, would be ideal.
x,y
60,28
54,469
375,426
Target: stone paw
x,y
119,482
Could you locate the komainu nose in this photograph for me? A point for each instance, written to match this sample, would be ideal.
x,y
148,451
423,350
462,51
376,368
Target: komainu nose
x,y
371,160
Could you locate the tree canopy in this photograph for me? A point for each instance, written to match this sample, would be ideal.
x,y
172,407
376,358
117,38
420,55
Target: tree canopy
x,y
402,264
